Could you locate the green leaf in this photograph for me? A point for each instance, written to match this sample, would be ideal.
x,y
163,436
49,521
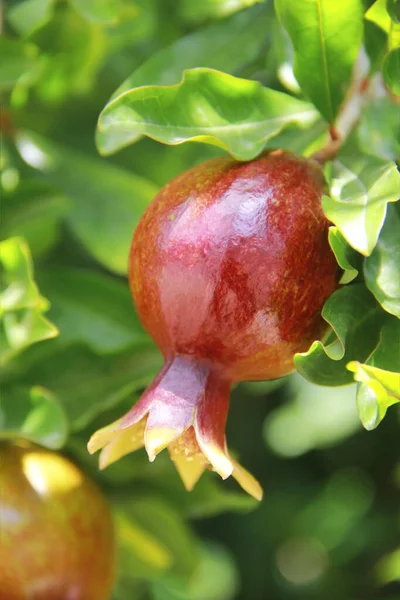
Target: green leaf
x,y
393,8
98,193
386,354
210,497
391,71
375,40
315,417
214,46
137,22
105,12
35,211
311,139
33,414
30,15
72,51
153,538
342,500
92,308
212,9
382,268
385,14
87,384
378,133
215,578
378,14
21,305
326,37
17,58
379,389
139,549
209,107
347,258
387,570
355,317
261,389
379,377
281,58
128,587
360,189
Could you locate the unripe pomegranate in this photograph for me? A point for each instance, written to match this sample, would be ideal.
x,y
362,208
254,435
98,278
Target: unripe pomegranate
x,y
56,532
229,269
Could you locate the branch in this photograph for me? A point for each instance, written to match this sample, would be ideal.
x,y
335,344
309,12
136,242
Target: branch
x,y
350,112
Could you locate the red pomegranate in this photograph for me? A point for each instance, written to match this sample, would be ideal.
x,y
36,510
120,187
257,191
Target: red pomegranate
x,y
229,269
56,529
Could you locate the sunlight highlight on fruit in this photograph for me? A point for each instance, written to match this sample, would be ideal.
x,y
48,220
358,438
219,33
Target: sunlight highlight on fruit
x,y
50,474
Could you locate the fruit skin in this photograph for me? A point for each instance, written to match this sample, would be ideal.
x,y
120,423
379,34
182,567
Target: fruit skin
x,y
56,534
231,262
229,268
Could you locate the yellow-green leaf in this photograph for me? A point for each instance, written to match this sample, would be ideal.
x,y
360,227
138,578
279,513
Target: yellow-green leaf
x,y
379,377
21,305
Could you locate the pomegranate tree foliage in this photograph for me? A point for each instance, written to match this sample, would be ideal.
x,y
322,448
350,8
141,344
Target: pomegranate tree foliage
x,y
236,76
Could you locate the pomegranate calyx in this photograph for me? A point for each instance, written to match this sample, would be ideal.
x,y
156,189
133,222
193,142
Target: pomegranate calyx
x,y
184,410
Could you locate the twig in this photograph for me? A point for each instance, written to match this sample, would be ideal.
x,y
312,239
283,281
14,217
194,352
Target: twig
x,y
350,112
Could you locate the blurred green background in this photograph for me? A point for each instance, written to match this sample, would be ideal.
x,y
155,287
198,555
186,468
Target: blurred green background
x,y
329,524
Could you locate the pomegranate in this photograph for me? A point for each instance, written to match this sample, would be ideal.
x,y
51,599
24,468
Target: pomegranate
x,y
56,533
229,269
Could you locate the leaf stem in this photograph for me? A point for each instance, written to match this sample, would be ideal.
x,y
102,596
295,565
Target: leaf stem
x,y
350,111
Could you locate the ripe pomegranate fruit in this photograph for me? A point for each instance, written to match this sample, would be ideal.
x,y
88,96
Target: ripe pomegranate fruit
x,y
56,533
229,269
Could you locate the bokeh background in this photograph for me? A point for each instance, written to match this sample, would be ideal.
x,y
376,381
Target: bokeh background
x,y
329,524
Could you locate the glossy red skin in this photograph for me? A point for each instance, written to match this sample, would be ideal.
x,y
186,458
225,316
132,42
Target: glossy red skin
x,y
56,547
231,264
